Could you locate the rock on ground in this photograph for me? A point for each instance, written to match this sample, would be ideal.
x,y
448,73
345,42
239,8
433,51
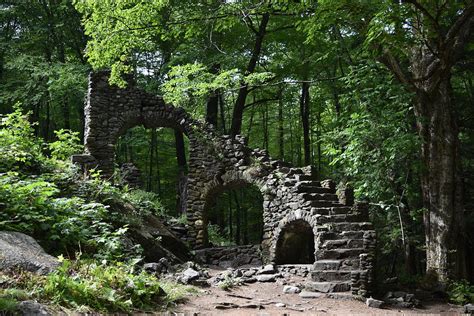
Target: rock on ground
x,y
469,309
307,294
288,289
32,308
20,251
371,302
266,278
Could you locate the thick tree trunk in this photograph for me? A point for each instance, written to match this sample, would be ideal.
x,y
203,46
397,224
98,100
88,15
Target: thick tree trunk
x,y
441,180
239,105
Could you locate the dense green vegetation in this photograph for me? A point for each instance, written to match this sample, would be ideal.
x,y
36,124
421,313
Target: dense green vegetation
x,y
375,94
46,197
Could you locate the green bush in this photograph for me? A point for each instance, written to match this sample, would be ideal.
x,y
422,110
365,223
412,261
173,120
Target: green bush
x,y
146,203
19,150
461,292
216,237
68,143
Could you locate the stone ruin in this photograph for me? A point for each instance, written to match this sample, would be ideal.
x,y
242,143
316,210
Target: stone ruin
x,y
306,221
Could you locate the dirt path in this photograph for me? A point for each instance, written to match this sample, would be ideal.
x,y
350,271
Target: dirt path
x,y
268,299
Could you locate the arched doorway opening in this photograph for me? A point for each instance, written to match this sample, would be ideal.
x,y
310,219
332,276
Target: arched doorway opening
x,y
159,157
295,244
234,215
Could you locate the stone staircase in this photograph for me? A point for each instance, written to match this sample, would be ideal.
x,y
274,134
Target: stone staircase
x,y
345,238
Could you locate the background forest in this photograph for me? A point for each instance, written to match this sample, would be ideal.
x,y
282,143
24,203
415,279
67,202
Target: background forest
x,y
378,95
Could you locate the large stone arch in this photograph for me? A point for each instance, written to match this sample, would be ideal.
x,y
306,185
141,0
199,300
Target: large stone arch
x,y
217,161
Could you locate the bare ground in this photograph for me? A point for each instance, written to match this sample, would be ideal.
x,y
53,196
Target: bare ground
x,y
262,299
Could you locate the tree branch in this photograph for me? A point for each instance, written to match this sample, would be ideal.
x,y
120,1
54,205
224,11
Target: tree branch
x,y
393,64
425,12
458,36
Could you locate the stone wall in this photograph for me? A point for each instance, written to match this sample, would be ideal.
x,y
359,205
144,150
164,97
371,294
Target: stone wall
x,y
220,162
231,256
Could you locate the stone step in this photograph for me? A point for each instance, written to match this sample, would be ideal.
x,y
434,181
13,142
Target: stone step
x,y
309,188
328,287
319,196
341,243
330,275
339,218
326,234
320,203
332,210
345,264
341,253
306,177
355,226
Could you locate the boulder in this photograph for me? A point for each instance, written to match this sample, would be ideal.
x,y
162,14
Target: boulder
x,y
371,302
469,309
20,251
188,275
154,236
268,269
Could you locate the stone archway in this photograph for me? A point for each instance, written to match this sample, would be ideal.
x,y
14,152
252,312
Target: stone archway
x,y
230,181
297,230
295,245
291,195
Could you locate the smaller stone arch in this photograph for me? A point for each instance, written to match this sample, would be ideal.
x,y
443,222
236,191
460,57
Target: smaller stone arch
x,y
295,239
231,179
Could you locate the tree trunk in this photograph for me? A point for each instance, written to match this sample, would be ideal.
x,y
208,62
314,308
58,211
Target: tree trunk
x,y
304,112
441,180
239,105
182,178
222,110
153,145
265,126
281,131
213,101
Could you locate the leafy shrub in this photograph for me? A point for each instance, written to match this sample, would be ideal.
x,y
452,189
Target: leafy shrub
x,y
68,143
147,203
461,292
216,237
18,147
32,206
229,282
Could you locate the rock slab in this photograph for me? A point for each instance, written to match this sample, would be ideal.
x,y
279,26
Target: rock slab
x,y
20,251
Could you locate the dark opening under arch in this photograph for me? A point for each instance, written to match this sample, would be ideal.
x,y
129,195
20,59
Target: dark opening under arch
x,y
295,244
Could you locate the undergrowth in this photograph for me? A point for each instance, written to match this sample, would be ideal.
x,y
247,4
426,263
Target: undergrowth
x,y
91,286
461,292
